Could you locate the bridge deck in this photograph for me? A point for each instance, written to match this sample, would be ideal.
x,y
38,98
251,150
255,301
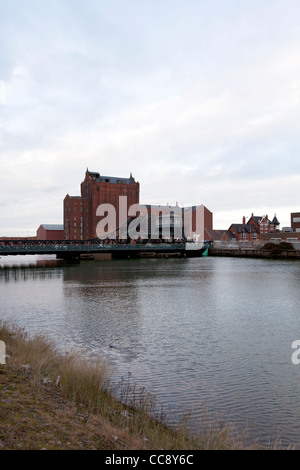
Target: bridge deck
x,y
73,249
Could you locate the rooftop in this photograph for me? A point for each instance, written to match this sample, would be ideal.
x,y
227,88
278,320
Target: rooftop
x,y
52,226
110,179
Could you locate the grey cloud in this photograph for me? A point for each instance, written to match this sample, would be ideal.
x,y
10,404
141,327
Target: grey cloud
x,y
190,95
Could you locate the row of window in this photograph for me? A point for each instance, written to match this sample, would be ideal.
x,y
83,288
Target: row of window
x,y
244,235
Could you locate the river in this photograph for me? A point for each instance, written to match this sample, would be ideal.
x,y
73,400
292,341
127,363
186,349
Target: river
x,y
205,333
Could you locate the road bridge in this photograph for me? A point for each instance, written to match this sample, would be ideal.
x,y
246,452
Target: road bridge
x,y
69,250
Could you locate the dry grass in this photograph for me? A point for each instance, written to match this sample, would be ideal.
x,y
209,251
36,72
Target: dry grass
x,y
63,402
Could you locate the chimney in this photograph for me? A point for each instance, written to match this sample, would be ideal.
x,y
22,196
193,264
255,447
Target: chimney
x,y
244,220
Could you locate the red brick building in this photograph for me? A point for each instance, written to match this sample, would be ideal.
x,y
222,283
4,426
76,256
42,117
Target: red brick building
x,y
177,222
50,232
295,221
263,224
219,235
251,230
197,219
80,219
244,232
247,232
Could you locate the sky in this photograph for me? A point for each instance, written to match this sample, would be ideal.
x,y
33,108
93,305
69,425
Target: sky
x,y
198,99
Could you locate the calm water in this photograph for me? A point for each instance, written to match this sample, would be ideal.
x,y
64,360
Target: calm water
x,y
210,330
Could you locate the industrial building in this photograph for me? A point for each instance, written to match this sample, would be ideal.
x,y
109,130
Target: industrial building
x,y
82,218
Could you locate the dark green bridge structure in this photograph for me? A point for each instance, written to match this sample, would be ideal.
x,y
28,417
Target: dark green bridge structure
x,y
76,250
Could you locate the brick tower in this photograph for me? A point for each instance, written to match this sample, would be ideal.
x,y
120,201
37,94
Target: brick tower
x,y
80,219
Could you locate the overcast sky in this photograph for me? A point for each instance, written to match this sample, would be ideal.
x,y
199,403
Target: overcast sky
x,y
199,99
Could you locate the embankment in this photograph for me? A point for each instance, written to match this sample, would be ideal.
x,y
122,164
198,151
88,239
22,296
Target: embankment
x,y
252,253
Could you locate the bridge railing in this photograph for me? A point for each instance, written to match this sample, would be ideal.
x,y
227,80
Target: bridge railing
x,y
86,248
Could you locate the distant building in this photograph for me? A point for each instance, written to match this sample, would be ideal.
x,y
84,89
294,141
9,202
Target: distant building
x,y
295,221
251,230
197,219
81,221
244,232
279,237
263,224
50,232
180,222
247,232
219,235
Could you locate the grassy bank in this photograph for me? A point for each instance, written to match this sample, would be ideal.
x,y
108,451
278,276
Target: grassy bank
x,y
54,401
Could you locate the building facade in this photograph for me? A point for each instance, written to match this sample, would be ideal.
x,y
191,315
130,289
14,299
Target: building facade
x,y
80,212
174,222
50,232
85,216
295,221
247,232
263,224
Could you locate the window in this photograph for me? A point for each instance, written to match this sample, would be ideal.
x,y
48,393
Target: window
x,y
296,219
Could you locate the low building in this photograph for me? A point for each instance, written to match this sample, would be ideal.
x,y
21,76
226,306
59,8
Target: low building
x,y
50,232
279,237
219,237
244,232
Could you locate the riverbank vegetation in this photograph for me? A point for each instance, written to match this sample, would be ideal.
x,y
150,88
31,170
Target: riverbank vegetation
x,y
50,400
278,248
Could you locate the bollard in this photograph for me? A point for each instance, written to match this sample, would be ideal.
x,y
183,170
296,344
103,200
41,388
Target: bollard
x,y
2,353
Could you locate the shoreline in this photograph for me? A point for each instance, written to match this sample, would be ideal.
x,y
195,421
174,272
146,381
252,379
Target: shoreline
x,y
54,402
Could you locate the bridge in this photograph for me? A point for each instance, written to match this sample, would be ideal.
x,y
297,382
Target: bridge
x,y
74,250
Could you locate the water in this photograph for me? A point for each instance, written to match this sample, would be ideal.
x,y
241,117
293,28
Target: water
x,y
213,331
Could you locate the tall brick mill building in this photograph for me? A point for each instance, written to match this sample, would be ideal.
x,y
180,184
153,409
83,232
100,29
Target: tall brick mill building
x,y
80,220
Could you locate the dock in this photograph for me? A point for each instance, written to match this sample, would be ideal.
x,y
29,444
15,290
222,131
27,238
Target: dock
x,y
254,253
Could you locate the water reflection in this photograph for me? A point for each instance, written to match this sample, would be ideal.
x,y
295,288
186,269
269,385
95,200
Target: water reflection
x,y
213,330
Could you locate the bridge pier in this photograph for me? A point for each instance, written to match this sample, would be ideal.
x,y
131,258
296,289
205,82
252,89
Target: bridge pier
x,y
69,257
